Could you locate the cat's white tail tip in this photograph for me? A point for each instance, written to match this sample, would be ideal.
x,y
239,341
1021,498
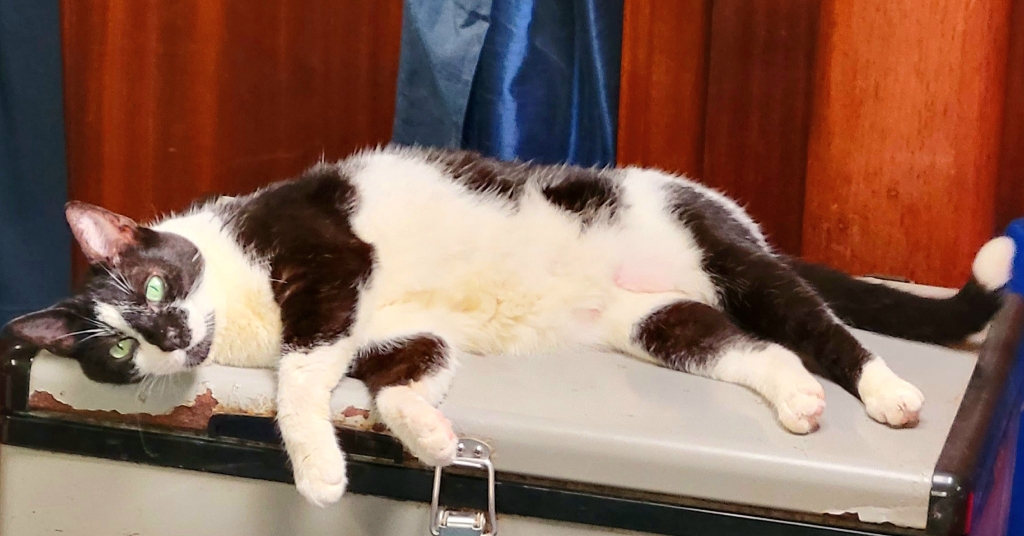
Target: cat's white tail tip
x,y
994,262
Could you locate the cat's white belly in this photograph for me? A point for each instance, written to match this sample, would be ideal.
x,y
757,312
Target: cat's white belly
x,y
495,280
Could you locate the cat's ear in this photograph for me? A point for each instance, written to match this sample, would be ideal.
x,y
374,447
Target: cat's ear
x,y
101,234
50,329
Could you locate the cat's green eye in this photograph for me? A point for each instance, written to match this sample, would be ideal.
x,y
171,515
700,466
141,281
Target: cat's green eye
x,y
122,348
155,289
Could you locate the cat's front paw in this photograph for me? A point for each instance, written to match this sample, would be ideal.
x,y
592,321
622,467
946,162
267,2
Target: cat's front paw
x,y
421,427
434,442
801,407
320,476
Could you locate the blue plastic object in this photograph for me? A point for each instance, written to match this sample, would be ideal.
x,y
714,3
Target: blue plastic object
x,y
1016,522
1016,232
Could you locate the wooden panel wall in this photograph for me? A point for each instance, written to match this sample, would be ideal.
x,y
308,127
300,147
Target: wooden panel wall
x,y
759,109
665,45
876,137
166,100
904,147
1010,189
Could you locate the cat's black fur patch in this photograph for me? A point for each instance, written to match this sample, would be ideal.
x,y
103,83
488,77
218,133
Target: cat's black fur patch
x,y
587,193
317,264
686,335
172,257
61,329
167,328
882,309
177,261
398,363
764,295
504,181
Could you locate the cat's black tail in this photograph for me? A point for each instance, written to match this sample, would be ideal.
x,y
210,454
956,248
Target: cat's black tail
x,y
883,309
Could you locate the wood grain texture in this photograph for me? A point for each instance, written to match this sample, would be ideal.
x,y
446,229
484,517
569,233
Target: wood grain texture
x,y
904,146
663,84
759,108
167,100
1010,188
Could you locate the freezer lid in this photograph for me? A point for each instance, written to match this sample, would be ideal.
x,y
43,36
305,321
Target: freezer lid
x,y
604,419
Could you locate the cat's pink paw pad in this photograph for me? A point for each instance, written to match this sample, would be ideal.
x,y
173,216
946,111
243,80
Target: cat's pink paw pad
x,y
801,408
320,476
898,406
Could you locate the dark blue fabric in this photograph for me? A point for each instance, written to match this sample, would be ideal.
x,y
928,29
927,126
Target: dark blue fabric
x,y
545,82
35,245
441,42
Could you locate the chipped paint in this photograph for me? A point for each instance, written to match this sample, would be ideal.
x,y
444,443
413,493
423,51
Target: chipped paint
x,y
187,401
895,515
194,416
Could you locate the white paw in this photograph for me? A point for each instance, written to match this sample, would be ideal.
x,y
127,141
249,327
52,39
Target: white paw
x,y
898,406
433,441
888,398
320,475
801,406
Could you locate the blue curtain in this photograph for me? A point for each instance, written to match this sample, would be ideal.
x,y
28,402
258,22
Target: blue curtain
x,y
35,245
530,79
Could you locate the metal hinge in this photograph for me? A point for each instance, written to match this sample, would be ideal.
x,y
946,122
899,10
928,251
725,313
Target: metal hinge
x,y
444,522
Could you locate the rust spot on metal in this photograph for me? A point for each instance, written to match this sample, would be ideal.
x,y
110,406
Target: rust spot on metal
x,y
197,415
194,417
353,411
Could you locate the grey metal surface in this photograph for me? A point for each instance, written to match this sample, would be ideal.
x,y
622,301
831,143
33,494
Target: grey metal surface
x,y
42,493
605,419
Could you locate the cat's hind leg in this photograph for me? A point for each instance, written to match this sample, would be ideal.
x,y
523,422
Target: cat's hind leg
x,y
699,339
408,377
768,299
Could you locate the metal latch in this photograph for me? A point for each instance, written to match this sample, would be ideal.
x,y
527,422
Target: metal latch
x,y
444,522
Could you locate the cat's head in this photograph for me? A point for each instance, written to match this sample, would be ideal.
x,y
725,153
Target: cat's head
x,y
142,311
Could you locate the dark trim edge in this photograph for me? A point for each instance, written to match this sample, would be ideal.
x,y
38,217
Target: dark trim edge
x,y
979,425
15,367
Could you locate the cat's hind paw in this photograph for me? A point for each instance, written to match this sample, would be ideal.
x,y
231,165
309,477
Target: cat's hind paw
x,y
801,408
888,398
899,406
320,476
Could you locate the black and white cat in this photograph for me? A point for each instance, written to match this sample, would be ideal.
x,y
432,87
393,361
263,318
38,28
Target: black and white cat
x,y
392,264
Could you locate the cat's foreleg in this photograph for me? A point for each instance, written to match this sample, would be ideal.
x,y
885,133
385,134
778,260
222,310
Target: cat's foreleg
x,y
699,339
305,382
408,377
